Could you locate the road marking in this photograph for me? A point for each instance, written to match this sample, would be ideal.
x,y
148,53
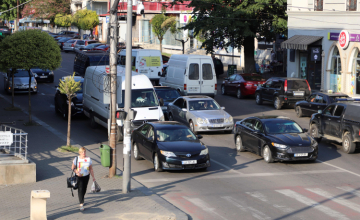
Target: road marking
x,y
203,205
254,212
258,195
223,165
64,71
263,198
350,190
336,199
311,203
348,171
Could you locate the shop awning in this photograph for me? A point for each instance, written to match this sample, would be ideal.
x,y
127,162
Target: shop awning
x,y
299,42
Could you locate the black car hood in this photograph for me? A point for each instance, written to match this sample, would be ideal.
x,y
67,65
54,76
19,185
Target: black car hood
x,y
181,146
293,139
78,98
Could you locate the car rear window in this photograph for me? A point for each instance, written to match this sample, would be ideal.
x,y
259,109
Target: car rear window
x,y
80,42
297,84
253,78
333,98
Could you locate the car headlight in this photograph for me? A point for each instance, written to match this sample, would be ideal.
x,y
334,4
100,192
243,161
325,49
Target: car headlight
x,y
67,102
167,153
229,120
281,146
314,143
33,84
162,118
51,73
204,152
35,75
200,121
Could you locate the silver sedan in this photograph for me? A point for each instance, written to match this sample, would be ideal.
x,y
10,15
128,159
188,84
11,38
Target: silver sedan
x,y
21,82
200,113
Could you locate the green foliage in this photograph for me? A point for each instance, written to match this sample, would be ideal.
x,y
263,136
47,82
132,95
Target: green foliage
x,y
69,87
7,4
161,24
28,49
85,19
63,20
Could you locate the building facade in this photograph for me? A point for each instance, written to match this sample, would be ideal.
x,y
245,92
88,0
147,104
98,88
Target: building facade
x,y
323,44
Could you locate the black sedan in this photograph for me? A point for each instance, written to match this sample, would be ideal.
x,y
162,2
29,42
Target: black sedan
x,y
170,146
62,102
275,138
315,102
43,75
166,95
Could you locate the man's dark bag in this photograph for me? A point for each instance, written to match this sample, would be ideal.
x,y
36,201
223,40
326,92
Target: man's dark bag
x,y
72,180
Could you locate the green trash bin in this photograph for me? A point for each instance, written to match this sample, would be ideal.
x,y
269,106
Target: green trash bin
x,y
105,155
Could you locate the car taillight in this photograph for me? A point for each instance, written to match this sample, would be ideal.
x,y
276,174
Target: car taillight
x,y
308,86
117,115
285,85
215,86
184,87
136,70
72,45
86,43
62,43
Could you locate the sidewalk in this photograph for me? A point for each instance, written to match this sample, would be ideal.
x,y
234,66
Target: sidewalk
x,y
52,170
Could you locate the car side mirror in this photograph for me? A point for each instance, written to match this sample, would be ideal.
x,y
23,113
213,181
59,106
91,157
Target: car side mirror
x,y
184,110
305,130
199,136
320,111
151,139
161,102
223,108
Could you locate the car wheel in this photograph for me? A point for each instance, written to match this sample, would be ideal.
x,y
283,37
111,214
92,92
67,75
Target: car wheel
x,y
119,134
258,99
298,111
314,132
238,144
348,146
192,127
277,103
267,155
171,117
223,92
157,164
239,94
136,152
93,123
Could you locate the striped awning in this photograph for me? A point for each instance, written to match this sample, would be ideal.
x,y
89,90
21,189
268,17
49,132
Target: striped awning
x,y
299,42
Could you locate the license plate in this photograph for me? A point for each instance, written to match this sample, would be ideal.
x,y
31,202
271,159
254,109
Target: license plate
x,y
301,155
301,93
43,76
85,50
193,89
217,125
189,161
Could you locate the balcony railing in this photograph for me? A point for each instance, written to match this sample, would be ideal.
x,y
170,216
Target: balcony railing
x,y
318,6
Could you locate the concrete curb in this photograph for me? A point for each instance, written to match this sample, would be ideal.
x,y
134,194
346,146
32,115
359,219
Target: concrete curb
x,y
180,215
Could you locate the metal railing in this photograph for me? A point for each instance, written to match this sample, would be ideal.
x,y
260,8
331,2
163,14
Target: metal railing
x,y
19,146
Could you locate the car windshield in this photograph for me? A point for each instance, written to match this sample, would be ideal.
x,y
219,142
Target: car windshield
x,y
167,94
21,73
206,104
282,126
253,78
141,98
175,134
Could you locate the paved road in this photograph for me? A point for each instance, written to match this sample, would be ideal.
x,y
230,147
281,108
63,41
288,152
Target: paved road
x,y
236,185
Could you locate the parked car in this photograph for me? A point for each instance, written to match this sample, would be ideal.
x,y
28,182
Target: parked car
x,y
104,47
339,121
281,91
62,103
71,34
81,44
200,113
69,46
89,58
170,146
275,138
315,102
242,85
166,95
62,41
21,82
43,75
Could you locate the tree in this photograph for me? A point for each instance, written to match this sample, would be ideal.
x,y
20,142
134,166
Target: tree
x,y
63,20
7,4
237,23
28,49
69,87
160,24
85,19
46,9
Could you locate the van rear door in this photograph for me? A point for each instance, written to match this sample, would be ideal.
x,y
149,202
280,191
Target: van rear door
x,y
194,80
207,77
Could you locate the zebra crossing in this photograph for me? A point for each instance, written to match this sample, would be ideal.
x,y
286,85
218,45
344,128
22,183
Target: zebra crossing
x,y
335,202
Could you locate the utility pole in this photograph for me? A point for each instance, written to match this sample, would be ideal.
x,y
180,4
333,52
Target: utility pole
x,y
127,128
113,83
17,16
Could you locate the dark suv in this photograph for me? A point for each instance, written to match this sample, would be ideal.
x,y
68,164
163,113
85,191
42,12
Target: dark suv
x,y
280,91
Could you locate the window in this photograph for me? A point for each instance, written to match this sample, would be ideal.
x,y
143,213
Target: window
x,y
206,104
318,6
141,98
207,73
145,129
258,126
282,126
232,78
151,133
338,111
351,5
179,103
312,98
297,84
268,83
249,123
319,99
238,78
329,110
194,71
276,84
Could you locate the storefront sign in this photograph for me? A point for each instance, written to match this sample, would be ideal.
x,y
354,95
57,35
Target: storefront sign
x,y
6,138
344,39
315,54
184,18
352,37
333,36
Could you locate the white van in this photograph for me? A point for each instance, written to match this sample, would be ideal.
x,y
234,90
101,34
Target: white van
x,y
144,101
190,75
144,61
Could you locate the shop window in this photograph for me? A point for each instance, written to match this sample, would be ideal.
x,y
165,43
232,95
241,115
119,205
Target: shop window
x,y
335,74
351,5
355,75
318,6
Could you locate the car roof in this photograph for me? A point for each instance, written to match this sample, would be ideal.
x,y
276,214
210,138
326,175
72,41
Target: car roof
x,y
330,94
284,78
163,87
166,124
195,97
269,117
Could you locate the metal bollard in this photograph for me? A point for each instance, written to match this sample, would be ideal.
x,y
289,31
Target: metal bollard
x,y
38,204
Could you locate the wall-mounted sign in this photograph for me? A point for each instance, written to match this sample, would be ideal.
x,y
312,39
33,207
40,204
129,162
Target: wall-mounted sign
x,y
344,39
6,138
352,37
184,18
315,54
